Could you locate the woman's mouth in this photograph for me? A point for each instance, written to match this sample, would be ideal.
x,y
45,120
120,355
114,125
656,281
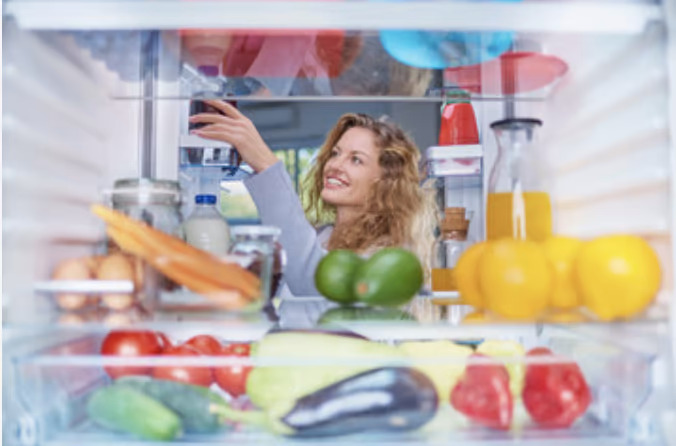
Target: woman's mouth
x,y
334,183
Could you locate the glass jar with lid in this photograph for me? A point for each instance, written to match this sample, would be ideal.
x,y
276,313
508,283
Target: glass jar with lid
x,y
270,257
157,203
448,248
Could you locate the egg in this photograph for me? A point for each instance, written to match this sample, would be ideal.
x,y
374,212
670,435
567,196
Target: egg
x,y
116,267
72,269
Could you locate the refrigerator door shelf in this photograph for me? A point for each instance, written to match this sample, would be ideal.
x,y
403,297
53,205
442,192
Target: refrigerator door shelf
x,y
454,160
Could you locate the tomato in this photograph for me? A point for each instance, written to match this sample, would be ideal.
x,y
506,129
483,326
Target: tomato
x,y
205,344
232,379
130,343
200,376
555,393
483,394
166,342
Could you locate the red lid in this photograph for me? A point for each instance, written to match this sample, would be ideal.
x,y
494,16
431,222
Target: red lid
x,y
511,73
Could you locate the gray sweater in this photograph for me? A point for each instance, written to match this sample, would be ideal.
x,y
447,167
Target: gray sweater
x,y
279,205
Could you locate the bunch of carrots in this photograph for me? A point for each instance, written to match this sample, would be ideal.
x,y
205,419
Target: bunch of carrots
x,y
228,284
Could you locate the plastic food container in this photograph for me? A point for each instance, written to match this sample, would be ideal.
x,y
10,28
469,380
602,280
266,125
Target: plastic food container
x,y
453,160
57,384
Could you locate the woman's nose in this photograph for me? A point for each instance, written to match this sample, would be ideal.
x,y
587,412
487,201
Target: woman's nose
x,y
339,161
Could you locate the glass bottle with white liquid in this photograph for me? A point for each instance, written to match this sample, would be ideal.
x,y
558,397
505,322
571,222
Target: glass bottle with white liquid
x,y
206,228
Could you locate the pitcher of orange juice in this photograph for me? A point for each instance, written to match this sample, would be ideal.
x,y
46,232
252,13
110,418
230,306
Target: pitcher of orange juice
x,y
518,204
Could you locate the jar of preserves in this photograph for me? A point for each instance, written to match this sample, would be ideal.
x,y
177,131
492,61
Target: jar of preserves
x,y
448,248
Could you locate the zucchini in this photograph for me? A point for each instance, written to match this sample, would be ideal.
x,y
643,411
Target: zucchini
x,y
191,403
122,408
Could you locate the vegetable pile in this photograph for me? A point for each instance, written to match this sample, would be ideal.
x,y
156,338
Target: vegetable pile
x,y
354,390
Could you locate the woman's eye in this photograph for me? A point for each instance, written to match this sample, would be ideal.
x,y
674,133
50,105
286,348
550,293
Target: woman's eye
x,y
356,160
334,153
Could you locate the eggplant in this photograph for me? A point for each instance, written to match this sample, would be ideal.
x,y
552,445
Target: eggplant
x,y
388,399
268,385
324,330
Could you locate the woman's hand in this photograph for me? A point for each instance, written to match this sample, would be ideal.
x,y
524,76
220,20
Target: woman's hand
x,y
238,130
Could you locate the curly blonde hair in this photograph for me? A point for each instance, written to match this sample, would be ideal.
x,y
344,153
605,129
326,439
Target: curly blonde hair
x,y
397,211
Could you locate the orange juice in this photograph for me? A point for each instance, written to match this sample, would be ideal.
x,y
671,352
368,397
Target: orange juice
x,y
527,215
443,279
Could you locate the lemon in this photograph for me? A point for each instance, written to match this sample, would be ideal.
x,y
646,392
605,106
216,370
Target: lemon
x,y
515,278
617,276
476,317
564,317
561,252
466,275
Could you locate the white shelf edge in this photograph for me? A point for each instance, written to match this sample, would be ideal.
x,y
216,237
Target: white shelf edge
x,y
194,141
455,152
555,16
84,286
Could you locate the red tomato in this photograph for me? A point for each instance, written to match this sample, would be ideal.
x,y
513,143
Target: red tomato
x,y
205,344
483,395
166,342
200,376
555,393
232,379
130,343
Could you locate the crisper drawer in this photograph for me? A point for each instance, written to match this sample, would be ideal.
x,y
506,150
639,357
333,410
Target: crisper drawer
x,y
306,386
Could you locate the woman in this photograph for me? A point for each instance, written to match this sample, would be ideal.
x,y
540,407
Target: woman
x,y
365,179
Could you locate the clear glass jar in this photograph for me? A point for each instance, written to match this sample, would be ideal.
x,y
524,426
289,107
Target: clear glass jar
x,y
156,202
518,204
270,257
448,248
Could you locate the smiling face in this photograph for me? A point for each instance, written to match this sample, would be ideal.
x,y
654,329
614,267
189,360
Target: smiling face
x,y
351,170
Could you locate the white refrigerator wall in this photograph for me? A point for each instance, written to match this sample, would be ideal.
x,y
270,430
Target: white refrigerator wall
x,y
604,141
607,145
64,142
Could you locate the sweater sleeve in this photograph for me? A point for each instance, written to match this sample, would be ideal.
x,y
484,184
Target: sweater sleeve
x,y
279,205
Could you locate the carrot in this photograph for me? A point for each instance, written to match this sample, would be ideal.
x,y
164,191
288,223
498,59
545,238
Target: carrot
x,y
230,299
171,250
166,261
176,247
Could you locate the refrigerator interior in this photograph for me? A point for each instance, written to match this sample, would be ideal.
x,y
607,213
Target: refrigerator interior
x,y
97,91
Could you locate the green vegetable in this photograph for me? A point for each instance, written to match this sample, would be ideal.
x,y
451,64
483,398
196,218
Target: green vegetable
x,y
363,314
122,408
191,403
335,274
268,385
389,278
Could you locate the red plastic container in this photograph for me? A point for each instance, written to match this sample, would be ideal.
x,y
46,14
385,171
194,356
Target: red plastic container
x,y
458,125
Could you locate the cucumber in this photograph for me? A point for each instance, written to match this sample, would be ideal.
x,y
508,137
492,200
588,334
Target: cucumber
x,y
191,403
122,408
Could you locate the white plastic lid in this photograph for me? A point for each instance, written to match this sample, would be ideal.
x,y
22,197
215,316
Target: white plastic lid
x,y
445,152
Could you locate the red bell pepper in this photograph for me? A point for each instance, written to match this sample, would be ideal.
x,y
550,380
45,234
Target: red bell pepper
x,y
555,393
483,394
